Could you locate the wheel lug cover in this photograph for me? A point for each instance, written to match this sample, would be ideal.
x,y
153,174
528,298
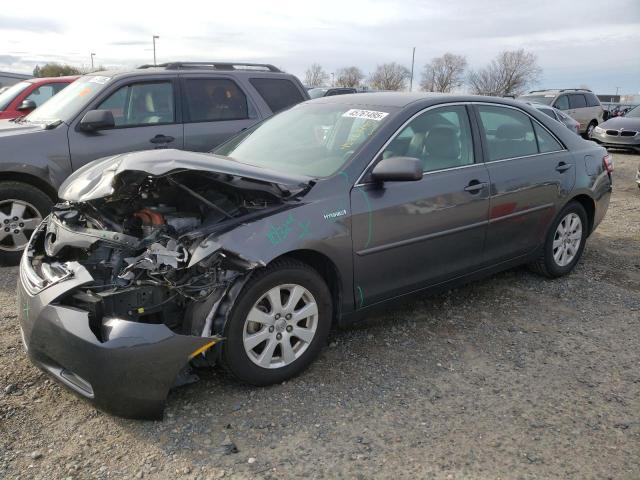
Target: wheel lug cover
x,y
271,329
289,328
16,231
277,316
288,316
279,336
15,219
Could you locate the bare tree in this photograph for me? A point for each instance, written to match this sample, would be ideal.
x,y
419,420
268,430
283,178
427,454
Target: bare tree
x,y
444,73
390,76
349,77
315,76
509,74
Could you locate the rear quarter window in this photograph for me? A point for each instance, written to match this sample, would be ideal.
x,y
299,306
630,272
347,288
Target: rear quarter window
x,y
592,100
278,93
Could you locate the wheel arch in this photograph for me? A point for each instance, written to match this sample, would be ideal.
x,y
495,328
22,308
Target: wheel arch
x,y
32,180
327,270
589,206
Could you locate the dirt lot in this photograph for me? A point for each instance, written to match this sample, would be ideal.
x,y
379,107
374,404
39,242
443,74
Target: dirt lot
x,y
513,377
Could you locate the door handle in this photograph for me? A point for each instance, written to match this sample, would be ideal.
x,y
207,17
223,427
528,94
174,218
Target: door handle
x,y
475,186
563,167
162,139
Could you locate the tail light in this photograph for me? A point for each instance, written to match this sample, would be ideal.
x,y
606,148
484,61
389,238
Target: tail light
x,y
607,162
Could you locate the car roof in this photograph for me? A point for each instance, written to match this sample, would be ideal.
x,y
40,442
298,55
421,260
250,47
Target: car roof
x,y
403,99
68,78
163,70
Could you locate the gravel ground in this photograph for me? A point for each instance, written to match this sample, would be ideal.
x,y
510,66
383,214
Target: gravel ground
x,y
512,377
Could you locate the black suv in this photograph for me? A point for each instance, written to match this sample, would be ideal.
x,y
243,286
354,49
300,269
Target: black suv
x,y
190,106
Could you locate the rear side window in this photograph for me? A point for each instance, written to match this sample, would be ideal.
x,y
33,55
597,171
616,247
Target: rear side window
x,y
278,93
214,99
562,103
546,142
508,133
592,100
577,100
140,104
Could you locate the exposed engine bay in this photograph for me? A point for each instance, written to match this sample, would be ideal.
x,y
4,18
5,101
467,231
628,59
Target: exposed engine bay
x,y
138,244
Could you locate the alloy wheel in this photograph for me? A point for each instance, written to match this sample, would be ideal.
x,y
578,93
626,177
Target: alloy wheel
x,y
18,220
566,240
280,326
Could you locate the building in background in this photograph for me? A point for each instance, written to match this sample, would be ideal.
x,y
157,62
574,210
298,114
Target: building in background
x,y
9,78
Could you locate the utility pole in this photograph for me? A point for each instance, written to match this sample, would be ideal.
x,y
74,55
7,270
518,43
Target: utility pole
x,y
333,82
92,55
154,48
413,59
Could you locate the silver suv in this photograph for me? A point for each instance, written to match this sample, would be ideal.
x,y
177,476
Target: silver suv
x,y
579,103
187,106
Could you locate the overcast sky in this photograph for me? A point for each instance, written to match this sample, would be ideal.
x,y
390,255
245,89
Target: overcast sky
x,y
587,42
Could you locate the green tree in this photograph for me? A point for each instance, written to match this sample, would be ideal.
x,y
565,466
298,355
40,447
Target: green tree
x,y
55,70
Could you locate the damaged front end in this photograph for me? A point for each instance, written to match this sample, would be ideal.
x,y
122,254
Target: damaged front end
x,y
115,295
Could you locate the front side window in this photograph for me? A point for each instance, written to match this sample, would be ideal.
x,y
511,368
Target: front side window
x,y
440,138
508,133
562,103
45,92
315,140
577,100
213,99
141,104
278,93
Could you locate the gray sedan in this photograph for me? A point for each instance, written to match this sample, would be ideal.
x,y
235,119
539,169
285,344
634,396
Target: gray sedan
x,y
620,132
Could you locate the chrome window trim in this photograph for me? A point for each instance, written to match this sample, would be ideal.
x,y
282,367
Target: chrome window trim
x,y
399,129
483,162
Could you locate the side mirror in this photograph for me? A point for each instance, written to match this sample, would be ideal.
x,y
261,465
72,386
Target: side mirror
x,y
397,169
97,120
27,105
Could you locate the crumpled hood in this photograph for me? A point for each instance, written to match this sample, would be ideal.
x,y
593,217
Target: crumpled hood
x,y
616,123
95,180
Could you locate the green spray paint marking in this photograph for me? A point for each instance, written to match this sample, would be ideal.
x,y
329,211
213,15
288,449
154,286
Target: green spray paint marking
x,y
304,226
366,199
277,234
26,310
361,303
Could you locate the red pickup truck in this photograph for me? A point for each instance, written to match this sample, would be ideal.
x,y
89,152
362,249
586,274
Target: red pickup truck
x,y
24,97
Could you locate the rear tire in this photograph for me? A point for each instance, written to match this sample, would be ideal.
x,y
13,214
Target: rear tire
x,y
564,243
22,208
260,310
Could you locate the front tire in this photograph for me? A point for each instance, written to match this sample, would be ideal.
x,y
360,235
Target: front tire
x,y
278,325
590,128
564,243
22,208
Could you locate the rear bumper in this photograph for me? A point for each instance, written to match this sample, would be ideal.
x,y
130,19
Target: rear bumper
x,y
128,371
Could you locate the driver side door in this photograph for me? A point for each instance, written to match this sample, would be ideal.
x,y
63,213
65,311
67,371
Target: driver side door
x,y
412,234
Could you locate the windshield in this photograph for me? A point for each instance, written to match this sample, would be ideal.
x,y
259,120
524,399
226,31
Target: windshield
x,y
66,104
317,92
544,99
12,92
309,139
634,113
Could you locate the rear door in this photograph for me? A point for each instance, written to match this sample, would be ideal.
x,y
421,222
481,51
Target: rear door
x,y
146,114
215,109
578,109
531,175
407,235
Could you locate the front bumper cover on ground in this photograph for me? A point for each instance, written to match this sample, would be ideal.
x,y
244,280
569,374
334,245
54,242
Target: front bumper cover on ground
x,y
128,372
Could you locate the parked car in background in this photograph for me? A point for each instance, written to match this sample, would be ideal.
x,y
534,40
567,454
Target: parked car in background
x,y
24,97
580,104
620,132
329,92
246,257
556,114
190,106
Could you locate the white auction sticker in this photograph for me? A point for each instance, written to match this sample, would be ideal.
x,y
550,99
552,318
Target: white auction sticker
x,y
368,114
100,79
